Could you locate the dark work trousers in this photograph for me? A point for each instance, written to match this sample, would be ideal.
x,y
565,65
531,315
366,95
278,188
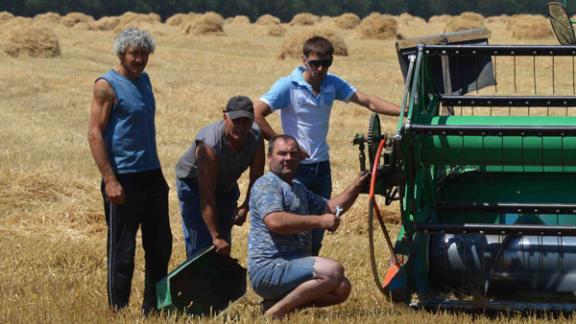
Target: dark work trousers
x,y
146,205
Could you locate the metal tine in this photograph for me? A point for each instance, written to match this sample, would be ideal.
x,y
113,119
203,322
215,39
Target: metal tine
x,y
514,65
495,58
476,72
553,75
573,79
534,73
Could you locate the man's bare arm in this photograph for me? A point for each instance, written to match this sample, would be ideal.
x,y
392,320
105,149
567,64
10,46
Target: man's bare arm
x,y
261,110
102,101
207,177
288,223
256,170
376,104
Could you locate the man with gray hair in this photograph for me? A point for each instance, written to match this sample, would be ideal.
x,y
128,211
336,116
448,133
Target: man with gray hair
x,y
122,138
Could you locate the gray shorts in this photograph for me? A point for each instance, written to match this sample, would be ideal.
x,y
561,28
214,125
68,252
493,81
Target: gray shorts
x,y
281,277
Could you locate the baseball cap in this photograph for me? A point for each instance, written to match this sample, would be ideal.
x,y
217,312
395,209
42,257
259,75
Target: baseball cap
x,y
239,106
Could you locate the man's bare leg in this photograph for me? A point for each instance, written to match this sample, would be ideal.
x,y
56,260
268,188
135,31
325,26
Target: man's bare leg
x,y
329,287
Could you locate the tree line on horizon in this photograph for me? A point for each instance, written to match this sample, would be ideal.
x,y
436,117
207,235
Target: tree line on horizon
x,y
283,9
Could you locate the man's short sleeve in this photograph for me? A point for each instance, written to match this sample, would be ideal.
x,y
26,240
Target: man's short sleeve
x,y
266,198
278,96
317,203
344,90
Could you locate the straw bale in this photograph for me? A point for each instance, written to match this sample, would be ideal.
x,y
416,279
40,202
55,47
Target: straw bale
x,y
497,20
176,20
536,27
304,19
459,23
377,26
468,15
74,18
106,23
137,19
276,31
519,19
17,21
267,20
439,19
347,21
48,18
409,20
5,16
31,41
238,20
292,47
209,23
84,26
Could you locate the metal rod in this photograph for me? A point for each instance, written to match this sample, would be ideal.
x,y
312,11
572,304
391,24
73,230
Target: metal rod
x,y
524,101
507,207
491,130
523,229
500,50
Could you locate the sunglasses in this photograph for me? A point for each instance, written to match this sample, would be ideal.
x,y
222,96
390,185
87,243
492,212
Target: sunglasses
x,y
317,63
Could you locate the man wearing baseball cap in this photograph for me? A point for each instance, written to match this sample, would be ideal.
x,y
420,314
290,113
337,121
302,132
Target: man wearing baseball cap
x,y
207,174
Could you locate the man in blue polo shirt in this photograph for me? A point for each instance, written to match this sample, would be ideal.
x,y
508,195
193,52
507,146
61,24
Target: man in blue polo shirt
x,y
305,100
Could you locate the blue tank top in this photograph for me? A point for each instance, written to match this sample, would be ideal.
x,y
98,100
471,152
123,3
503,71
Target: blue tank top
x,y
130,133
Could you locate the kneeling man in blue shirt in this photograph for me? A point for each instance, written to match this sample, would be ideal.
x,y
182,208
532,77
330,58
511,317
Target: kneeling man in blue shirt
x,y
283,213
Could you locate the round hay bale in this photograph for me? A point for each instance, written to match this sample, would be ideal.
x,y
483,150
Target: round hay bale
x,y
17,21
458,23
409,20
347,21
439,19
267,20
84,26
377,26
73,18
176,20
276,31
497,20
292,47
5,16
304,19
137,19
106,23
239,20
536,27
48,18
31,41
209,23
468,15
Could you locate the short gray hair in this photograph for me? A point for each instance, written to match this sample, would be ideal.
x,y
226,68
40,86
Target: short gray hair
x,y
135,38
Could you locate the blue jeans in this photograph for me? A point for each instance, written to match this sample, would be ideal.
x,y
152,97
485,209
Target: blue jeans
x,y
280,277
196,235
317,177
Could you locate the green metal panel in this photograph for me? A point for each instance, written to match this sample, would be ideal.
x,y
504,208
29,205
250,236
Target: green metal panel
x,y
501,150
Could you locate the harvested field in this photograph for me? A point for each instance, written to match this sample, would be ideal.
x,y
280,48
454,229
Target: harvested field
x,y
52,228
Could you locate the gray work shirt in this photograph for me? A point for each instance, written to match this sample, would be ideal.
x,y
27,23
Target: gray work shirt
x,y
231,164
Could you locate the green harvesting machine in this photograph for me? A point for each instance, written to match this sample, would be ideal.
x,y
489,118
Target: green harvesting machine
x,y
483,166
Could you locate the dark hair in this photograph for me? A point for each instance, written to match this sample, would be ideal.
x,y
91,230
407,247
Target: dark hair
x,y
283,137
318,46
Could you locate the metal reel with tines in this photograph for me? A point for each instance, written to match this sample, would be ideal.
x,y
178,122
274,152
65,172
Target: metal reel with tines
x,y
386,179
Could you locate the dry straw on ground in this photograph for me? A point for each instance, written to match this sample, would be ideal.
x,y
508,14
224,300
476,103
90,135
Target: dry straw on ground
x,y
267,20
238,20
30,41
48,18
377,26
292,47
209,23
347,21
530,27
73,18
276,31
304,19
439,19
460,23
